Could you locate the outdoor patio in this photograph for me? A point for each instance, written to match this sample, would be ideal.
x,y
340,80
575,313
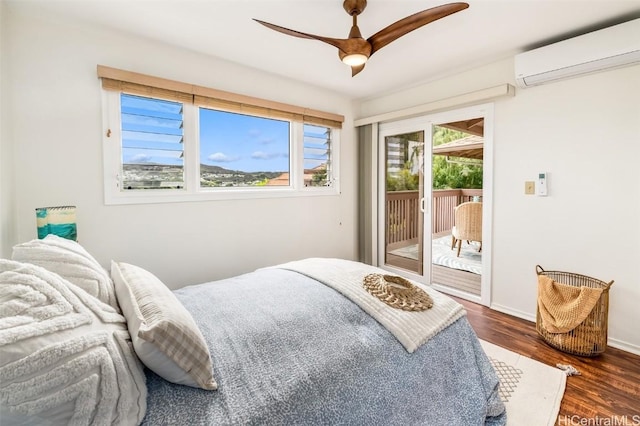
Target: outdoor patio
x,y
403,239
470,258
404,217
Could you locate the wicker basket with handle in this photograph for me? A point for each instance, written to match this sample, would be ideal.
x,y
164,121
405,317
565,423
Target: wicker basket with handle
x,y
589,338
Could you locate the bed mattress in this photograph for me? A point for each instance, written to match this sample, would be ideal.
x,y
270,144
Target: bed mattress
x,y
288,350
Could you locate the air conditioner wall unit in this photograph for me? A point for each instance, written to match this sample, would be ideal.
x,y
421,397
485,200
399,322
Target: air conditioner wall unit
x,y
608,48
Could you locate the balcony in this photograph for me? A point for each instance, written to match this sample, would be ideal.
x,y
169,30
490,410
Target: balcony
x,y
404,236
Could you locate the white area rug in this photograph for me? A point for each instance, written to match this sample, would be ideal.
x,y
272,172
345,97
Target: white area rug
x,y
532,391
470,259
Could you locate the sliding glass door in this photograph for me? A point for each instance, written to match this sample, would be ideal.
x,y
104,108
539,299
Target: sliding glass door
x,y
403,213
434,200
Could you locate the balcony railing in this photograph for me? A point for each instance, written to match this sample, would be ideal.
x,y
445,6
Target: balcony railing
x,y
402,216
403,212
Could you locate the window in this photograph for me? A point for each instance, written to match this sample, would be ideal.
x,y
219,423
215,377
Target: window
x,y
238,150
317,155
163,144
152,143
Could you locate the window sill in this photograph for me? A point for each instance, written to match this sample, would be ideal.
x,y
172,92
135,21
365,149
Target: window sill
x,y
181,196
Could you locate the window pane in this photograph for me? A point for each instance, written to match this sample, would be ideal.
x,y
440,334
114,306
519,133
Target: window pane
x,y
152,143
238,150
317,155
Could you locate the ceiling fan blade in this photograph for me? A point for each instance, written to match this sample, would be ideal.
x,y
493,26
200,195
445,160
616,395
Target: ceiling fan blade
x,y
410,23
356,69
336,42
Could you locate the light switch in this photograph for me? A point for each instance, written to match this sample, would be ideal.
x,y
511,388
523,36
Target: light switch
x,y
529,187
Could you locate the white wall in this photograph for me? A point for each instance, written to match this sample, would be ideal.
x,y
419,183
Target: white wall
x,y
585,132
55,117
7,215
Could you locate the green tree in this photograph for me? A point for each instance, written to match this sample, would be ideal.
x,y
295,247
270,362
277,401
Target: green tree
x,y
444,135
448,175
404,180
319,178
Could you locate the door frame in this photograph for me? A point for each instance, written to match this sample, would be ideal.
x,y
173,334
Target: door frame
x,y
427,122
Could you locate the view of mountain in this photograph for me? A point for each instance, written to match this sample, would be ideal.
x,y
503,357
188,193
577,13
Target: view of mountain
x,y
153,175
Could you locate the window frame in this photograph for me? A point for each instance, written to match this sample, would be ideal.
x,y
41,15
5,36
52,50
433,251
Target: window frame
x,y
192,191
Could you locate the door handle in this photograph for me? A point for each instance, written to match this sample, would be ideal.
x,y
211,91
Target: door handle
x,y
422,204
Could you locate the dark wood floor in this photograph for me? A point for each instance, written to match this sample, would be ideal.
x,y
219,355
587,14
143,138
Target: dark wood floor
x,y
608,389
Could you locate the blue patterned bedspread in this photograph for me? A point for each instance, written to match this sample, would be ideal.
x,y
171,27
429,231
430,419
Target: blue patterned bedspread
x,y
288,350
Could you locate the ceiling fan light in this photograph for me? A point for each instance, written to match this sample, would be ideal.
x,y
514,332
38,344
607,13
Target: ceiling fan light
x,y
355,59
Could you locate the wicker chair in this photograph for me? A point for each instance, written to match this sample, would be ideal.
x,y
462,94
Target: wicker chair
x,y
468,224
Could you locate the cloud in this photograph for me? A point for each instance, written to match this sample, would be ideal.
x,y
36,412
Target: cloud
x,y
267,141
261,155
258,137
141,158
220,157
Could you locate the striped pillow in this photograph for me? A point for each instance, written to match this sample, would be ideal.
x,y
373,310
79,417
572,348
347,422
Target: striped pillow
x,y
165,336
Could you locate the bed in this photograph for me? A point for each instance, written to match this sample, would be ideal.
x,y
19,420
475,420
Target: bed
x,y
286,346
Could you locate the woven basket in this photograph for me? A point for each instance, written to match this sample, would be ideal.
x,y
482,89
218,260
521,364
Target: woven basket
x,y
590,337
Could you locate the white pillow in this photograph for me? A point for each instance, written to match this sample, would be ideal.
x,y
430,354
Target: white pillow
x,y
65,357
164,335
71,261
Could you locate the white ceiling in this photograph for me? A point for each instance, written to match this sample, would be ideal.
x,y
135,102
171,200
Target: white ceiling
x,y
488,30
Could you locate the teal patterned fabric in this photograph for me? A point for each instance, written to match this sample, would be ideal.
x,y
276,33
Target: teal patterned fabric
x,y
60,221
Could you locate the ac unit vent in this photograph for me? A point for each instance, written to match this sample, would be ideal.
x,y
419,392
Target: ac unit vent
x,y
612,47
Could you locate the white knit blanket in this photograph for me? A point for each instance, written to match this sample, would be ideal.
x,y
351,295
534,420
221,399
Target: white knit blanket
x,y
66,358
412,329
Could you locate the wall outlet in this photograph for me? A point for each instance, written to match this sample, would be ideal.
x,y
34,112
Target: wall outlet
x,y
529,187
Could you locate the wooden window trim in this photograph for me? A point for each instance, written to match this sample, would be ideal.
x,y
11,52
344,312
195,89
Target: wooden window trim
x,y
141,84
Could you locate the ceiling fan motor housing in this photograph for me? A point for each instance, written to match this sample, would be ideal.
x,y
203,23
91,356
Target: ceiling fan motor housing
x,y
354,7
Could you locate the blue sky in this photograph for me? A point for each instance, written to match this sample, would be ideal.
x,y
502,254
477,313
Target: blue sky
x,y
151,130
152,133
242,142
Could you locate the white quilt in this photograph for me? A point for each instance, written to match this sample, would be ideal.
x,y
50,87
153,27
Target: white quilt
x,y
412,329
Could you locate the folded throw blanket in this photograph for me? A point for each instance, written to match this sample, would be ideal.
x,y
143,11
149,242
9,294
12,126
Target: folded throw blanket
x,y
412,329
563,307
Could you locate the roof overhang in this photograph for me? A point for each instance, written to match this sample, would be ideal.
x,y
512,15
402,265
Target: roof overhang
x,y
469,147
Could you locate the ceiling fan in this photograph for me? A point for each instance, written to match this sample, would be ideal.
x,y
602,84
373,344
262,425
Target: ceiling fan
x,y
355,50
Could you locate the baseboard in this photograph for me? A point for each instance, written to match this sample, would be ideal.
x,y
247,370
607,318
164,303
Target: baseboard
x,y
614,343
624,346
513,312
